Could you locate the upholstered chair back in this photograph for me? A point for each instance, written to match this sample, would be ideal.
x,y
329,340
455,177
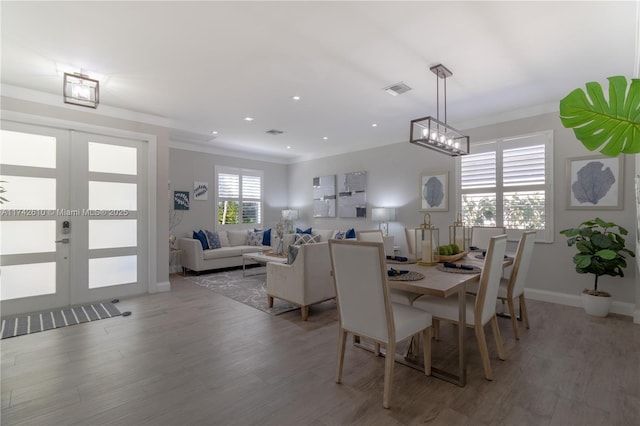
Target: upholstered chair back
x,y
373,236
480,235
487,296
359,274
522,262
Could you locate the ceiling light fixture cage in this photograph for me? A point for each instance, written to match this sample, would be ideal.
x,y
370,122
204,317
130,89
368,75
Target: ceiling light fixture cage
x,y
434,134
79,89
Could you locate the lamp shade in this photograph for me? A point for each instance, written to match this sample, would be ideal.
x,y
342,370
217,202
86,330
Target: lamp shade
x,y
383,214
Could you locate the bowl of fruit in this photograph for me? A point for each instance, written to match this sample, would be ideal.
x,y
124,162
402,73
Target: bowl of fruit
x,y
450,253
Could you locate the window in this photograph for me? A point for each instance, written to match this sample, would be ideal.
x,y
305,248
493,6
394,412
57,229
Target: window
x,y
508,183
239,196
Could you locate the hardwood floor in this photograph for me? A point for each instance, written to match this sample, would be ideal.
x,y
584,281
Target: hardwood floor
x,y
193,357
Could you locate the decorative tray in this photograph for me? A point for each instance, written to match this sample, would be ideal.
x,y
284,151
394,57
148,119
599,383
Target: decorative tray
x,y
452,258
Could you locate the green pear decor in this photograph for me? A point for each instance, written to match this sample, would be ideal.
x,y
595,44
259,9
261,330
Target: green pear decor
x,y
612,125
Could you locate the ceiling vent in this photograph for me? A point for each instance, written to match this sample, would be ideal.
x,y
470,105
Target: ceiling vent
x,y
397,89
275,132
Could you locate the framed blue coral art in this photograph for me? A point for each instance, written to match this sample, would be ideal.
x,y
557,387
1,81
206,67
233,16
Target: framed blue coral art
x,y
181,200
595,183
434,192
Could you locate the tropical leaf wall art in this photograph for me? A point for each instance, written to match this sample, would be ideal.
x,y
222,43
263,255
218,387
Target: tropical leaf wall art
x,y
200,190
181,200
611,124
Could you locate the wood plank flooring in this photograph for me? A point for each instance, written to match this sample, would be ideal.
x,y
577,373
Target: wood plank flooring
x,y
193,357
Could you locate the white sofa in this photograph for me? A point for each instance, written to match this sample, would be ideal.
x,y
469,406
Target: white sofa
x,y
306,281
234,245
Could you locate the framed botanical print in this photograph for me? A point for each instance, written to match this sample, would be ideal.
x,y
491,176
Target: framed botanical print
x,y
595,183
434,192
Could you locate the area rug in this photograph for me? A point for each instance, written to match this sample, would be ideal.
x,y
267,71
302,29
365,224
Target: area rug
x,y
34,323
250,290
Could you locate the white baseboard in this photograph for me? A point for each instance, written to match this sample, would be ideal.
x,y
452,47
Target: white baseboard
x,y
160,287
622,308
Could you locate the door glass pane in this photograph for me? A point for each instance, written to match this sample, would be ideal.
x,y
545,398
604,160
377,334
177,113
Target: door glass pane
x,y
32,279
112,195
27,236
107,271
29,193
25,149
112,159
112,233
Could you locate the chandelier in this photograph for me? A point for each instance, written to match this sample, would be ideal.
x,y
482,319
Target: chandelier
x,y
432,133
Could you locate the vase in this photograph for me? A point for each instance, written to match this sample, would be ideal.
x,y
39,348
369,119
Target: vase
x,y
279,245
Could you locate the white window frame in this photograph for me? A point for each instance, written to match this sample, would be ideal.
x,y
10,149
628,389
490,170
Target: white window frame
x,y
240,172
499,145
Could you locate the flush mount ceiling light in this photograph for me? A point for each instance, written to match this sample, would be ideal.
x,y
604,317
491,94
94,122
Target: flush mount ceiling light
x,y
434,134
79,89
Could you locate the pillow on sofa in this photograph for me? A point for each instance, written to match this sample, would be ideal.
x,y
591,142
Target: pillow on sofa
x,y
300,231
339,235
255,238
202,238
292,254
306,239
266,237
213,239
351,233
224,239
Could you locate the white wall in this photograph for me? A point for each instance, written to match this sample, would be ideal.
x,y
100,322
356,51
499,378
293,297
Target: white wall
x,y
189,166
394,173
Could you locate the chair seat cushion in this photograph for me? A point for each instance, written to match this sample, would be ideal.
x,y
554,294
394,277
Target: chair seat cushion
x,y
403,297
445,308
408,320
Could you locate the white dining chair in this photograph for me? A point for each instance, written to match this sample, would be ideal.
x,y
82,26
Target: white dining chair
x,y
513,287
481,308
397,296
410,235
480,235
365,307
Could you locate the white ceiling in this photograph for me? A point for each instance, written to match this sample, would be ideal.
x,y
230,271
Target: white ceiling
x,y
205,66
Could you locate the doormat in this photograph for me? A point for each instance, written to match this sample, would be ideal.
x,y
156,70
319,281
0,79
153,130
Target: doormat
x,y
34,323
250,290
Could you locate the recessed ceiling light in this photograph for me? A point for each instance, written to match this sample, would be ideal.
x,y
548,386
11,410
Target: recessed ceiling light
x,y
214,132
295,98
325,137
288,146
374,125
248,119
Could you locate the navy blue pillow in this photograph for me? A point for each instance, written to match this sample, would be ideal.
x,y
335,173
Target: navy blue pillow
x,y
202,238
351,233
266,237
300,231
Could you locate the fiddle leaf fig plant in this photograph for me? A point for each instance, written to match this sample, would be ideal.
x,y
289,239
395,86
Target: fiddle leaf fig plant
x,y
601,250
613,125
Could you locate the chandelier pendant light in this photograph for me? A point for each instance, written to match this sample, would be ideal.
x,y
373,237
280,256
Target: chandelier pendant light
x,y
434,134
79,89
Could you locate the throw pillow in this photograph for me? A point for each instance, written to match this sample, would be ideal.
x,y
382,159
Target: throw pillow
x,y
306,239
255,238
224,239
266,237
339,235
202,238
300,231
213,239
292,254
351,233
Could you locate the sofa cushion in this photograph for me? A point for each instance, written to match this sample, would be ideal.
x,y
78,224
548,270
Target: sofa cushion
x,y
237,237
200,236
255,238
222,253
351,233
213,239
305,231
338,235
306,239
324,234
224,238
266,237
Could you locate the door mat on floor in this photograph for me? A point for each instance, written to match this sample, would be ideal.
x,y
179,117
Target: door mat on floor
x,y
33,323
250,290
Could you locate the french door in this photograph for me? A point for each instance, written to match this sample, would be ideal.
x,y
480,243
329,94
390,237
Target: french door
x,y
74,227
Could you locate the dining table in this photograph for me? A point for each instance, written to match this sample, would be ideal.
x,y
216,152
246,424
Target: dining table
x,y
443,283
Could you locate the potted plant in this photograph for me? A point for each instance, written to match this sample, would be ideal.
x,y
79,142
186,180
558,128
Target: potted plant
x,y
601,251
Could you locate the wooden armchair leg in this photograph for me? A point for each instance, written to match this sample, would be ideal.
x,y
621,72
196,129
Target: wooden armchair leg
x,y
514,320
342,342
497,337
523,312
305,313
484,351
270,301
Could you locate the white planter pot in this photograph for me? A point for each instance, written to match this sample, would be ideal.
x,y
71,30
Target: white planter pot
x,y
597,306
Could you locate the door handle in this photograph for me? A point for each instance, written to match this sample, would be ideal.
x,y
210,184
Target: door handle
x,y
63,241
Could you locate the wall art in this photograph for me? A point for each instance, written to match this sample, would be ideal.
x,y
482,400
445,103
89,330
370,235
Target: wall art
x,y
434,192
324,196
595,183
352,195
181,200
200,190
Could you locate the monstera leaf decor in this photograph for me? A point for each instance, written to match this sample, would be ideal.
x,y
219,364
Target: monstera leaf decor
x,y
614,126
